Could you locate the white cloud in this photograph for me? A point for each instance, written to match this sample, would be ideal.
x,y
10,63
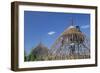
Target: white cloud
x,y
51,33
85,26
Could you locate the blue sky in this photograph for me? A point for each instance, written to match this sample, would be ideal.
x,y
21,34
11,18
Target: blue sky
x,y
45,27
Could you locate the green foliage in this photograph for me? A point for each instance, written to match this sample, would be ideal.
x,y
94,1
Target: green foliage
x,y
32,57
25,56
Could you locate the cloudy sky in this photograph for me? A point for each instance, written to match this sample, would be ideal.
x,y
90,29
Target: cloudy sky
x,y
45,27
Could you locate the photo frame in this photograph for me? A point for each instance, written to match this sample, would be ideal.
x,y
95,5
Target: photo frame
x,y
52,36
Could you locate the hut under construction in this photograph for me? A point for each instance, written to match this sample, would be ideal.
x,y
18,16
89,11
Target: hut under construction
x,y
72,44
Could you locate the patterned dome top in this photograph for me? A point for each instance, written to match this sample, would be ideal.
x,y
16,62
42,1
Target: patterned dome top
x,y
74,34
72,30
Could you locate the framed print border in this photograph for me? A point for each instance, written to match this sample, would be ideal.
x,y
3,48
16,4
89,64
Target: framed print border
x,y
15,34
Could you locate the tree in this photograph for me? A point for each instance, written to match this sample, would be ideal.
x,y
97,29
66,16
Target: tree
x,y
31,57
25,56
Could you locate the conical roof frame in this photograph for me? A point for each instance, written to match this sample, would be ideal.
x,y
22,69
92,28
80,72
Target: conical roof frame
x,y
73,30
